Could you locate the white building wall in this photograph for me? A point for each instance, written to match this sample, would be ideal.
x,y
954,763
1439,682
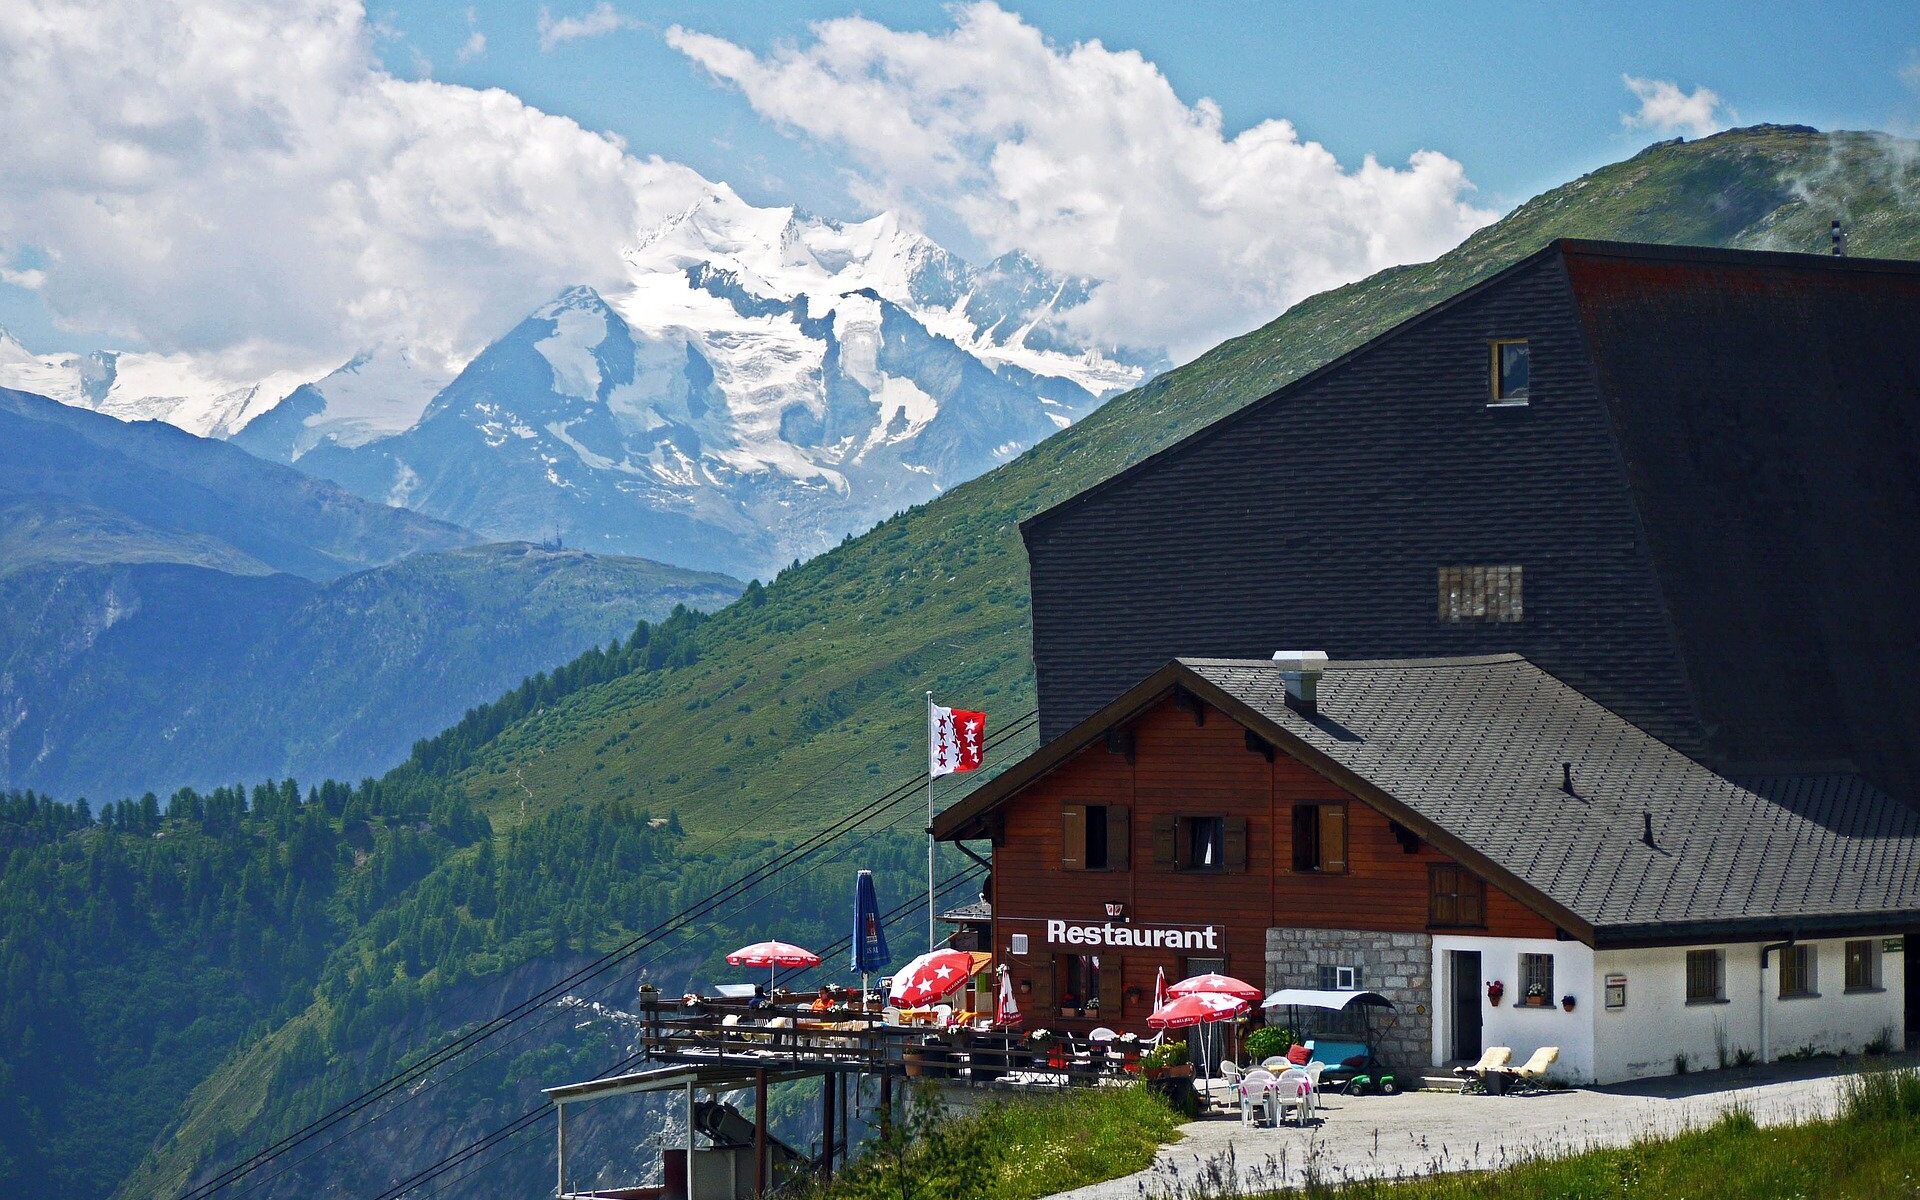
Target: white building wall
x,y
1657,1024
1511,1023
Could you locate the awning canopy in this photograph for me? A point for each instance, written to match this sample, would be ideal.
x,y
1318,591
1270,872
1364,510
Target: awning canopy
x,y
1316,998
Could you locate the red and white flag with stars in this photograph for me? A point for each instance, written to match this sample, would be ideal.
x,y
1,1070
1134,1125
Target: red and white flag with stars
x,y
956,740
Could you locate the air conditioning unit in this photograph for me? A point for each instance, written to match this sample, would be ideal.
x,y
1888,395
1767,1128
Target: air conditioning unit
x,y
1346,979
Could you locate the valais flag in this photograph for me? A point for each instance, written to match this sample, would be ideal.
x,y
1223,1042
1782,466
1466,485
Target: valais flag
x,y
956,740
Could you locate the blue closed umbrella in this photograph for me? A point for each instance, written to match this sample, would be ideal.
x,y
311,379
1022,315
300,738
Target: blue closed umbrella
x,y
869,935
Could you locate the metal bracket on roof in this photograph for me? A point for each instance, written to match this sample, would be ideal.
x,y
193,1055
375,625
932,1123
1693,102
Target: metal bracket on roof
x,y
1182,698
1259,745
1121,741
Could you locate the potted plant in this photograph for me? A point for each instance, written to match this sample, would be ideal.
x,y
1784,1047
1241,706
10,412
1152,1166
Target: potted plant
x,y
1130,1053
1536,996
1166,1061
1495,990
1566,1002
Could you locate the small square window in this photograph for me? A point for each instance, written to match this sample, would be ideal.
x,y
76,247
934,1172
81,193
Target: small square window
x,y
1536,979
1320,838
1863,967
1493,593
1706,976
1797,972
1511,367
1206,843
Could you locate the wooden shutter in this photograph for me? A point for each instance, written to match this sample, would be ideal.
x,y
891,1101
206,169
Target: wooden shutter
x,y
1333,838
1041,998
1112,993
1119,836
1166,842
1233,854
1073,837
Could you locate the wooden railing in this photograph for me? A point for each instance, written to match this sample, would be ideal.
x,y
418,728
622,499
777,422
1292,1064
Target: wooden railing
x,y
795,1037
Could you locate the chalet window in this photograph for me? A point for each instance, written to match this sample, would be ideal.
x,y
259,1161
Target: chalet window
x,y
1094,837
1706,976
1797,972
1206,843
1863,967
1320,838
1536,978
1080,982
1491,593
1200,843
1456,898
1511,366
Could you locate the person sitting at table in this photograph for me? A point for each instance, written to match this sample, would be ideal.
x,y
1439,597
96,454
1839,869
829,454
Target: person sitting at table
x,y
760,999
825,1000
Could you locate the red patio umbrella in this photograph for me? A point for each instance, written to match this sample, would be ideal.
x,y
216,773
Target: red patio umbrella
x,y
772,955
931,977
1200,1008
1219,985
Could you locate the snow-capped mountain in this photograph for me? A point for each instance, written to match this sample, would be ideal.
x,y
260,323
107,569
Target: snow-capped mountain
x,y
174,388
756,385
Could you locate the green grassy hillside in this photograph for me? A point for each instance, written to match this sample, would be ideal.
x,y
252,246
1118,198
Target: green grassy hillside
x,y
823,672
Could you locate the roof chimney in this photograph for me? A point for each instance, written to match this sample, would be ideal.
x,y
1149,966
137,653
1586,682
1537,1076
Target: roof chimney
x,y
1301,671
1839,240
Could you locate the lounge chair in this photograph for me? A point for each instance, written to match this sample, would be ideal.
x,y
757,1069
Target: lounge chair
x,y
1495,1058
1535,1069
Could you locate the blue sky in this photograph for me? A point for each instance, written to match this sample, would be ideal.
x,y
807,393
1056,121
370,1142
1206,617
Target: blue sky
x,y
1525,96
223,177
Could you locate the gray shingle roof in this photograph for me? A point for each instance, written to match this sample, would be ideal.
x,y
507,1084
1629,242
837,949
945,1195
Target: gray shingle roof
x,y
1475,747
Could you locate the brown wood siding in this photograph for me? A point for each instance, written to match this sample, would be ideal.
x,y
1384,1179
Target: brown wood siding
x,y
1182,768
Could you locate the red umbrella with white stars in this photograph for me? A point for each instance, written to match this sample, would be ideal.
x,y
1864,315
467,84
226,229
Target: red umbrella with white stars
x,y
930,978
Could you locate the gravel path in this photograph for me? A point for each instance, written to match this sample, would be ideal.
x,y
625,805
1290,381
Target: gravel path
x,y
1418,1133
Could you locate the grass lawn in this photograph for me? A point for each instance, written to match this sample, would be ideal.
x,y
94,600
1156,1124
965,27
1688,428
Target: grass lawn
x,y
1018,1149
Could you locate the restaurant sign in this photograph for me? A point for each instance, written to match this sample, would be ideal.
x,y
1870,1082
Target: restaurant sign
x,y
1093,933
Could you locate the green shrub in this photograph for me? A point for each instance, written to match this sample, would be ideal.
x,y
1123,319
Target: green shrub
x,y
1266,1042
1881,1095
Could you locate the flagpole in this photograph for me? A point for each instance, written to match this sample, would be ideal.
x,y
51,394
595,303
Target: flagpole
x,y
929,825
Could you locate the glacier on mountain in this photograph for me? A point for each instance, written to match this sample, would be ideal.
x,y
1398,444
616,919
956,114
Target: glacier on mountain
x,y
756,385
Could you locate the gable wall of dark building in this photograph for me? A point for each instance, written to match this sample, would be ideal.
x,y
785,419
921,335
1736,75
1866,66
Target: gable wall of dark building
x,y
1320,521
1774,446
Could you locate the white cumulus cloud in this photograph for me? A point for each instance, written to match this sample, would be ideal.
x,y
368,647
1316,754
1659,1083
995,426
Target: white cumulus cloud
x,y
1086,159
217,176
1665,108
599,21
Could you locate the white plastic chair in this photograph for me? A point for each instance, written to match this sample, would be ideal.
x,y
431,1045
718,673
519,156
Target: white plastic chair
x,y
1313,1078
1293,1092
1278,1062
1256,1091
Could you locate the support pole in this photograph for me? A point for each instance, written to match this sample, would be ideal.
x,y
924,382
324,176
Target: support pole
x,y
561,1188
929,824
760,1132
826,1125
690,1191
886,1103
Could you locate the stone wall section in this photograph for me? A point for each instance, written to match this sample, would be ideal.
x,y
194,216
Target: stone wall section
x,y
1397,965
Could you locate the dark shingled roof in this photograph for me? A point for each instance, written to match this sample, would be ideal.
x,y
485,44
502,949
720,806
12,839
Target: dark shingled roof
x,y
1468,752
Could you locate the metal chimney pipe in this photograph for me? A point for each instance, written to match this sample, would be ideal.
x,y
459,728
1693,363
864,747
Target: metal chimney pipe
x,y
1839,240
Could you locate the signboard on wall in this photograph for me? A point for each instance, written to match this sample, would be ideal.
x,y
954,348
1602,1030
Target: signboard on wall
x,y
1616,991
1892,945
1142,937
